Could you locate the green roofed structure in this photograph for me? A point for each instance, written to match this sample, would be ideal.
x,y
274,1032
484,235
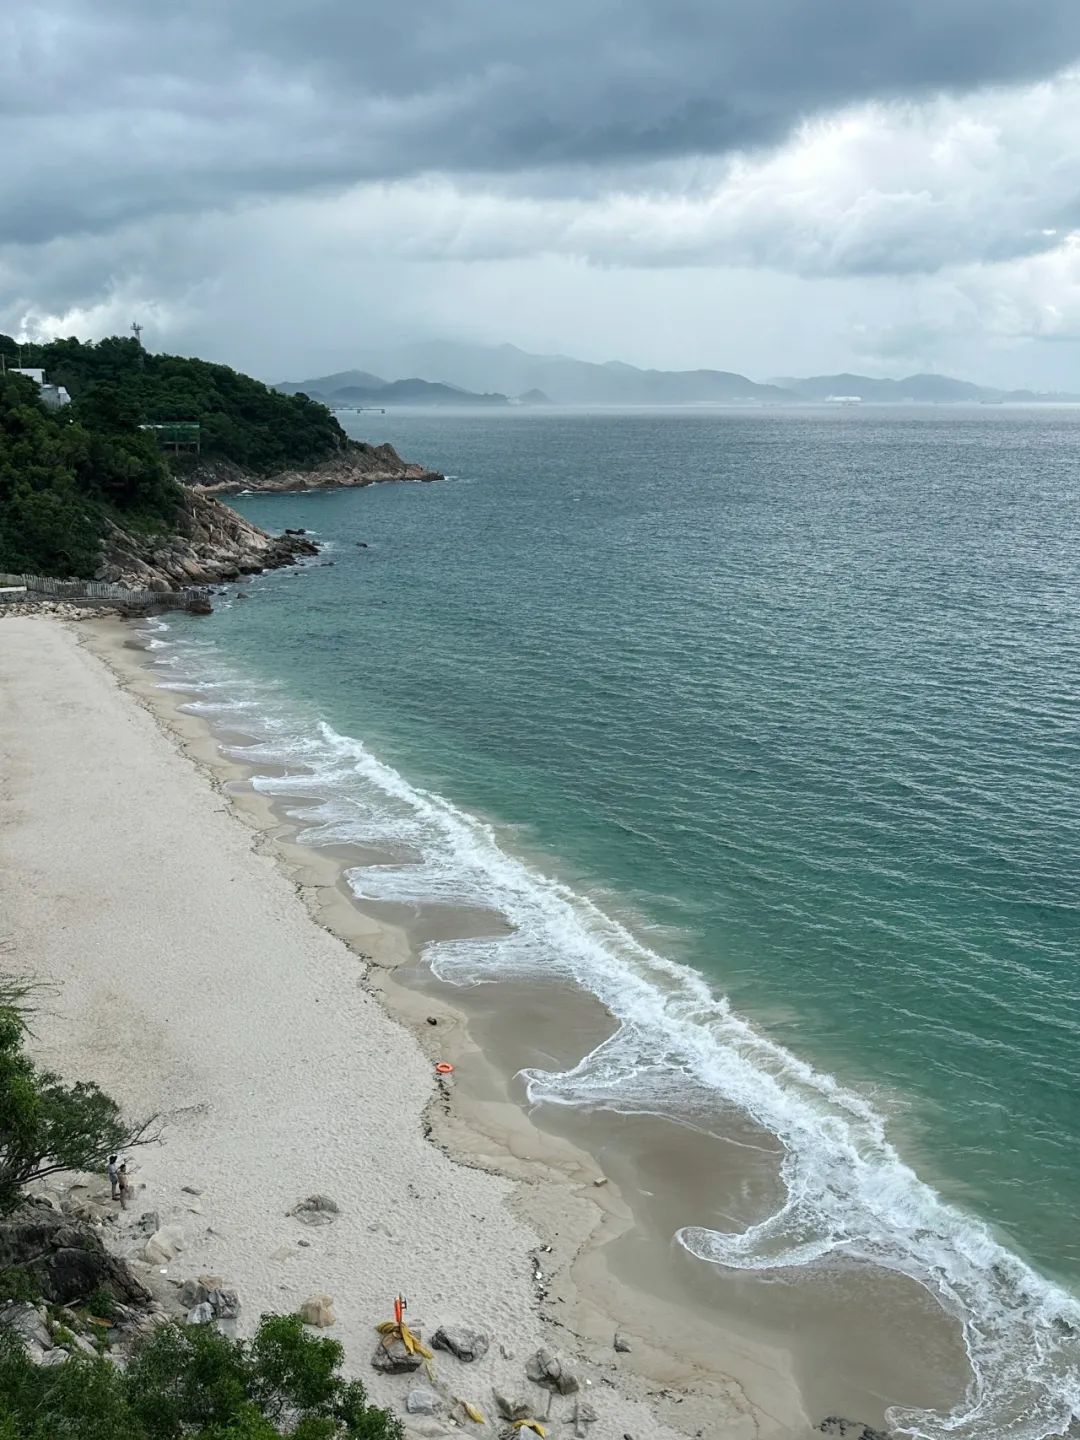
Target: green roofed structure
x,y
177,435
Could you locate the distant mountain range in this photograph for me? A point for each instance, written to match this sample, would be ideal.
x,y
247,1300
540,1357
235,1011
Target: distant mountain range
x,y
924,389
447,373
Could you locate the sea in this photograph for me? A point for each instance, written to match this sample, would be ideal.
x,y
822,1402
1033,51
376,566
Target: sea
x,y
764,726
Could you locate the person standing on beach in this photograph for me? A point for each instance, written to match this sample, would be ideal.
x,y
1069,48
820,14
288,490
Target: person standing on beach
x,y
114,1177
122,1182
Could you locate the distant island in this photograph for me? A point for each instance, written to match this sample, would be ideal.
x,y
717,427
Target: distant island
x,y
915,389
109,457
358,389
445,372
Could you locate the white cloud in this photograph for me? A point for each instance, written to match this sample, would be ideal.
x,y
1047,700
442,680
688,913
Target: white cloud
x,y
874,190
887,236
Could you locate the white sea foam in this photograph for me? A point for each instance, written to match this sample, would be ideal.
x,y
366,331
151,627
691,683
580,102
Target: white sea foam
x,y
849,1193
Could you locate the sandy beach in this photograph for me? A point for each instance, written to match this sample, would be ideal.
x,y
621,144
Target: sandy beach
x,y
190,979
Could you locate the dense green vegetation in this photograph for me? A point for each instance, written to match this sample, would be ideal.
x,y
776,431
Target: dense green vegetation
x,y
242,419
64,474
192,1381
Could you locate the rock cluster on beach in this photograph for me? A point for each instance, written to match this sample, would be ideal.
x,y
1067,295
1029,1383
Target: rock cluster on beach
x,y
55,1245
62,609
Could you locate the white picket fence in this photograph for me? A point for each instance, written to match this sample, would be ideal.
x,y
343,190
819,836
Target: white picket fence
x,y
100,590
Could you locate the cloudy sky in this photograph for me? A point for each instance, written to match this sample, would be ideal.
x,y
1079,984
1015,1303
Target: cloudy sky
x,y
771,186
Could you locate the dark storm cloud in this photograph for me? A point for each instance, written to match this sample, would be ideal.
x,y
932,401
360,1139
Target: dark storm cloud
x,y
115,110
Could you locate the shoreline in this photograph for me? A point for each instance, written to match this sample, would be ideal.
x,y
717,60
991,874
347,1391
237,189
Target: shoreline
x,y
268,1098
783,1355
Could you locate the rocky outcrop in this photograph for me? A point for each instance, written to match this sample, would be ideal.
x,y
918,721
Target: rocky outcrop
x,y
211,543
360,464
62,1259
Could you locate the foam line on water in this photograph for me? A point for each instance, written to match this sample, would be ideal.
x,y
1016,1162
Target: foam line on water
x,y
849,1194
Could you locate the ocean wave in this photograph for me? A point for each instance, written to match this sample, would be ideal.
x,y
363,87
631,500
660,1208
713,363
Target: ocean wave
x,y
849,1193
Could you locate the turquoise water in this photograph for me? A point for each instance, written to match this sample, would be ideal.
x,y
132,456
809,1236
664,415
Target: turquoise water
x,y
790,700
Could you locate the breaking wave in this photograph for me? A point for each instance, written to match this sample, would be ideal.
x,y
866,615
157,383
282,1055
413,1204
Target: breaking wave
x,y
849,1193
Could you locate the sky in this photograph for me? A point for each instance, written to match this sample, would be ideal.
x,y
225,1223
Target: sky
x,y
775,187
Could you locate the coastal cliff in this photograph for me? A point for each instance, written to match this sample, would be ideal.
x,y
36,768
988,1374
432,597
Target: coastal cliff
x,y
210,543
358,464
117,485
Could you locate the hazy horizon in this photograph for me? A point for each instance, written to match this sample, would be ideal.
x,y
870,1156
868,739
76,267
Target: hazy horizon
x,y
368,357
776,189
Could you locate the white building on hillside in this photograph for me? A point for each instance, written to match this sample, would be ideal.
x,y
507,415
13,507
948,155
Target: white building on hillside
x,y
52,396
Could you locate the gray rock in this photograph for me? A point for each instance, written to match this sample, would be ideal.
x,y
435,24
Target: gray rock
x,y
23,1320
548,1370
320,1202
423,1401
202,1314
225,1304
460,1340
49,1357
192,1189
393,1357
164,1244
584,1415
622,1345
512,1409
198,1290
316,1210
852,1429
149,1222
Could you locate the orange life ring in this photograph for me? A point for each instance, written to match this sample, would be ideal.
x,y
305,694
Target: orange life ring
x,y
443,1068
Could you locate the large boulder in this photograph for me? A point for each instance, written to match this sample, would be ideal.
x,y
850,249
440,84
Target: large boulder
x,y
460,1340
24,1321
164,1245
393,1357
318,1311
423,1401
63,1260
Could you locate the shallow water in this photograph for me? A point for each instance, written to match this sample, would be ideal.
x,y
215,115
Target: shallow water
x,y
758,717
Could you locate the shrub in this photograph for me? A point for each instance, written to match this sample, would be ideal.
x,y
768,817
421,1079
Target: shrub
x,y
192,1381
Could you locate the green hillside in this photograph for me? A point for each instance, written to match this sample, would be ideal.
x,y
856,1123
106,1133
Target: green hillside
x,y
242,419
65,473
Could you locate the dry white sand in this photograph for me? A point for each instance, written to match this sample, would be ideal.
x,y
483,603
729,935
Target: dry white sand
x,y
190,980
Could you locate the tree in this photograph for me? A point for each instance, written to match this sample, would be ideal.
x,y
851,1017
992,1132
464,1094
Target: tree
x,y
191,1381
47,1125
